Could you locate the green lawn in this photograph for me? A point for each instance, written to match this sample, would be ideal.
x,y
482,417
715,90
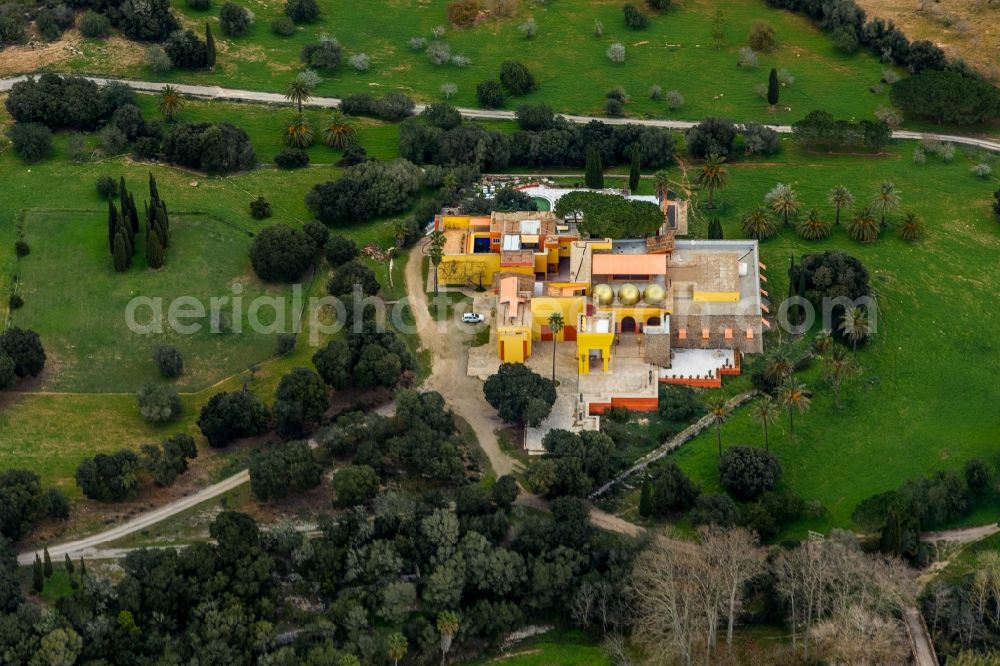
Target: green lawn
x,y
676,52
929,381
556,648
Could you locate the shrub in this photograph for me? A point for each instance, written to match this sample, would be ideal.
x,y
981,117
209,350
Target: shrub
x,y
655,92
350,276
598,30
616,53
211,147
107,187
760,140
461,61
145,20
614,107
634,18
712,136
12,27
282,25
355,485
317,233
747,58
679,404
748,472
230,416
199,5
21,248
658,5
515,78
260,208
234,20
983,170
845,39
94,25
919,156
394,106
291,158
360,62
528,29
762,37
109,478
169,360
675,100
442,115
489,94
280,253
302,11
285,343
417,43
158,403
51,21
439,53
31,141
324,54
463,13
278,470
977,475
448,90
112,140
15,302
667,490
339,250
714,509
157,60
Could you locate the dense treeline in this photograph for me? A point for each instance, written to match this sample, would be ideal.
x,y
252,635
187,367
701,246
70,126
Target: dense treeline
x,y
610,215
118,476
66,102
543,140
23,503
366,190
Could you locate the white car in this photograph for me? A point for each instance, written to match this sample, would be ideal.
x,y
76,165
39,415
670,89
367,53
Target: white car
x,y
472,318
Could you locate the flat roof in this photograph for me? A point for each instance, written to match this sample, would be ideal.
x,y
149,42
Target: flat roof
x,y
629,264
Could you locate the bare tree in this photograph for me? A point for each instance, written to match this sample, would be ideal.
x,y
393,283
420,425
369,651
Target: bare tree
x,y
734,558
860,637
670,614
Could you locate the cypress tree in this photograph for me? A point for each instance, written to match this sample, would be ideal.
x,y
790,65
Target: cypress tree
x,y
772,87
69,565
133,214
633,173
83,568
121,253
715,229
594,173
47,567
646,499
37,578
154,195
163,224
209,47
154,251
112,225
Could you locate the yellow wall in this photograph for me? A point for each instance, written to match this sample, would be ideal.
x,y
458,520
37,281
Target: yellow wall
x,y
455,221
588,341
543,306
717,296
460,269
510,343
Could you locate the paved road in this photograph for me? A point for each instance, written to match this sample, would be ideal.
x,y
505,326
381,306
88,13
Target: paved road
x,y
234,95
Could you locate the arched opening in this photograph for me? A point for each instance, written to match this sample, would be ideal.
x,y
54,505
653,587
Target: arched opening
x,y
628,325
653,321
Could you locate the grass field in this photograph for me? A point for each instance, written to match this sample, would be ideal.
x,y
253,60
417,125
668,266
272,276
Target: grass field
x,y
556,648
929,380
675,52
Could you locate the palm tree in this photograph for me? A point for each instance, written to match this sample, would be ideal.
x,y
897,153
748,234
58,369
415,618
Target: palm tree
x,y
712,176
840,197
778,368
447,626
718,410
795,398
911,228
855,327
338,132
885,200
863,227
298,132
758,224
398,646
838,367
783,200
170,102
661,184
556,325
822,342
765,412
813,227
435,251
298,92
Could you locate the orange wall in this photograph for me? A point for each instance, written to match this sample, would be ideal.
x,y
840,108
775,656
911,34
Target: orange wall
x,y
634,404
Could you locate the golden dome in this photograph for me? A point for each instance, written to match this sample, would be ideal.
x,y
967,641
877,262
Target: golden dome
x,y
628,294
604,294
654,293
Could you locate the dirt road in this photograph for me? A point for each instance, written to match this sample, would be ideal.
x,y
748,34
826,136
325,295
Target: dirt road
x,y
449,369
